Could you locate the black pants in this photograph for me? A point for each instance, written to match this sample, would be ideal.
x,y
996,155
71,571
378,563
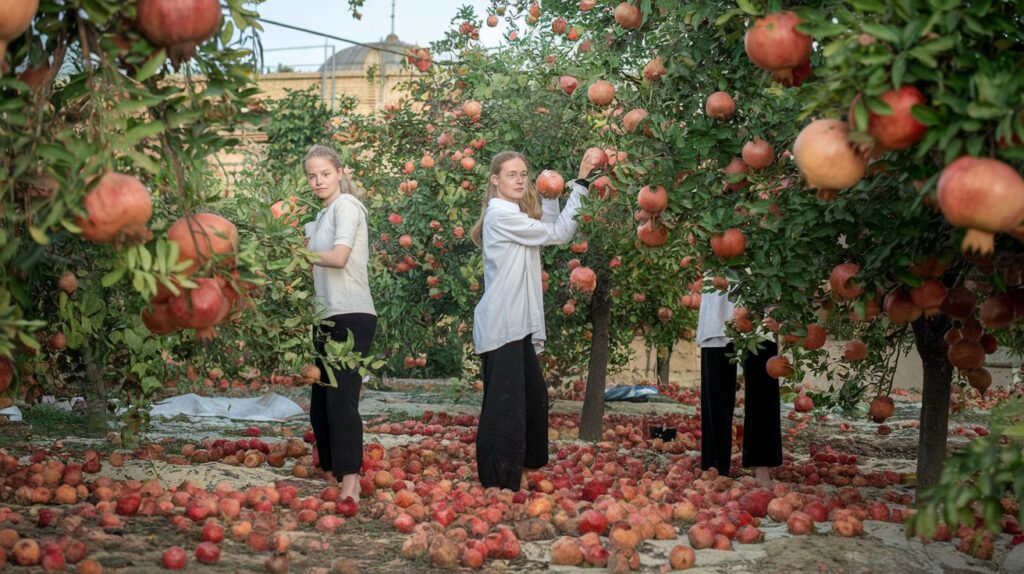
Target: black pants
x,y
334,412
762,432
513,431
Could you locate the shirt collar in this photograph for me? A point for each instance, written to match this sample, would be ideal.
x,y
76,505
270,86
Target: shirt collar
x,y
503,204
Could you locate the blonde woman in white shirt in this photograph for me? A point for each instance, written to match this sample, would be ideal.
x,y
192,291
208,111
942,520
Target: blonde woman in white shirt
x,y
508,323
339,241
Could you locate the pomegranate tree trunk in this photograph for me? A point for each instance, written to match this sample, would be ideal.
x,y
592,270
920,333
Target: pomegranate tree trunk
x,y
591,420
938,378
664,356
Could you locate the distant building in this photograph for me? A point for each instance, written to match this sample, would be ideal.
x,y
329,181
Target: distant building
x,y
369,72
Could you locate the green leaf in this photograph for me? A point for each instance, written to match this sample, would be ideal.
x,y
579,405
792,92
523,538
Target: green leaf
x,y
925,114
141,132
899,69
150,385
985,111
748,7
152,65
38,235
881,32
113,276
879,107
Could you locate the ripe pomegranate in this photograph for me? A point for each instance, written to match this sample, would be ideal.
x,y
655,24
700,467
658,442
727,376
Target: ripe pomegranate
x,y
587,5
840,279
998,311
731,243
472,109
601,93
774,44
583,279
826,159
632,119
652,199
68,282
201,308
492,20
651,234
898,130
157,318
736,166
654,70
778,367
628,16
815,338
598,157
959,302
989,342
803,404
204,237
758,154
550,183
881,409
178,25
900,307
15,17
117,210
855,350
6,373
568,84
681,557
966,354
720,106
207,553
984,196
929,296
979,379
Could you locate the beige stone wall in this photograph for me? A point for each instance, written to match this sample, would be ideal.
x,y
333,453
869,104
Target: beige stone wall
x,y
354,84
684,367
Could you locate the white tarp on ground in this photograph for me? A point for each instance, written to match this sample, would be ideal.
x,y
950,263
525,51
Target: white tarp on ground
x,y
269,407
12,413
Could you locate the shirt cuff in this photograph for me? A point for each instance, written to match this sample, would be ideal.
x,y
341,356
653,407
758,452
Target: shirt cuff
x,y
577,186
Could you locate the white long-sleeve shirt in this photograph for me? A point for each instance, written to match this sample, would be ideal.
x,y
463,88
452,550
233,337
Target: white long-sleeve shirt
x,y
715,310
512,305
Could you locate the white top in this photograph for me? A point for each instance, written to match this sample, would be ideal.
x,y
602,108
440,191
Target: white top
x,y
344,290
715,310
512,305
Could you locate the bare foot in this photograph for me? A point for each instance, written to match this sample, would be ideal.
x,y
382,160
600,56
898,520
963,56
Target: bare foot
x,y
763,476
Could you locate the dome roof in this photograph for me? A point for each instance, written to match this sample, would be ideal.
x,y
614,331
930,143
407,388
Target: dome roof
x,y
354,58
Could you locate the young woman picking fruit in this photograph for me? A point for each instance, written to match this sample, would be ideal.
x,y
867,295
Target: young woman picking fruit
x,y
508,323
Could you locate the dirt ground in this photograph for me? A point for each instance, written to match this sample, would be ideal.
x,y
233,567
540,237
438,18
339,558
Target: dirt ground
x,y
364,544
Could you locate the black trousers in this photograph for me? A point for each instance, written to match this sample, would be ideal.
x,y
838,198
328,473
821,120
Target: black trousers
x,y
334,412
513,430
762,427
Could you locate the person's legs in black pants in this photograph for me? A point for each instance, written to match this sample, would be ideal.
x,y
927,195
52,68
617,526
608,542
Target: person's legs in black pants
x,y
501,434
762,425
334,412
536,410
717,400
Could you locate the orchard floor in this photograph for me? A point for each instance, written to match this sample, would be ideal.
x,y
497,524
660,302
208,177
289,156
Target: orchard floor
x,y
366,544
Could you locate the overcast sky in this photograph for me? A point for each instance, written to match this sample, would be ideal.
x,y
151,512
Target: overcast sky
x,y
416,22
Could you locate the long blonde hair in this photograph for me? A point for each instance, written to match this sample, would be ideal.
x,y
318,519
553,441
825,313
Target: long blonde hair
x,y
345,182
528,204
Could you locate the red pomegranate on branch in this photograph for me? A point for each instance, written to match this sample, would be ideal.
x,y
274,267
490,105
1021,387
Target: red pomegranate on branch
x,y
178,25
982,195
117,210
15,16
774,44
